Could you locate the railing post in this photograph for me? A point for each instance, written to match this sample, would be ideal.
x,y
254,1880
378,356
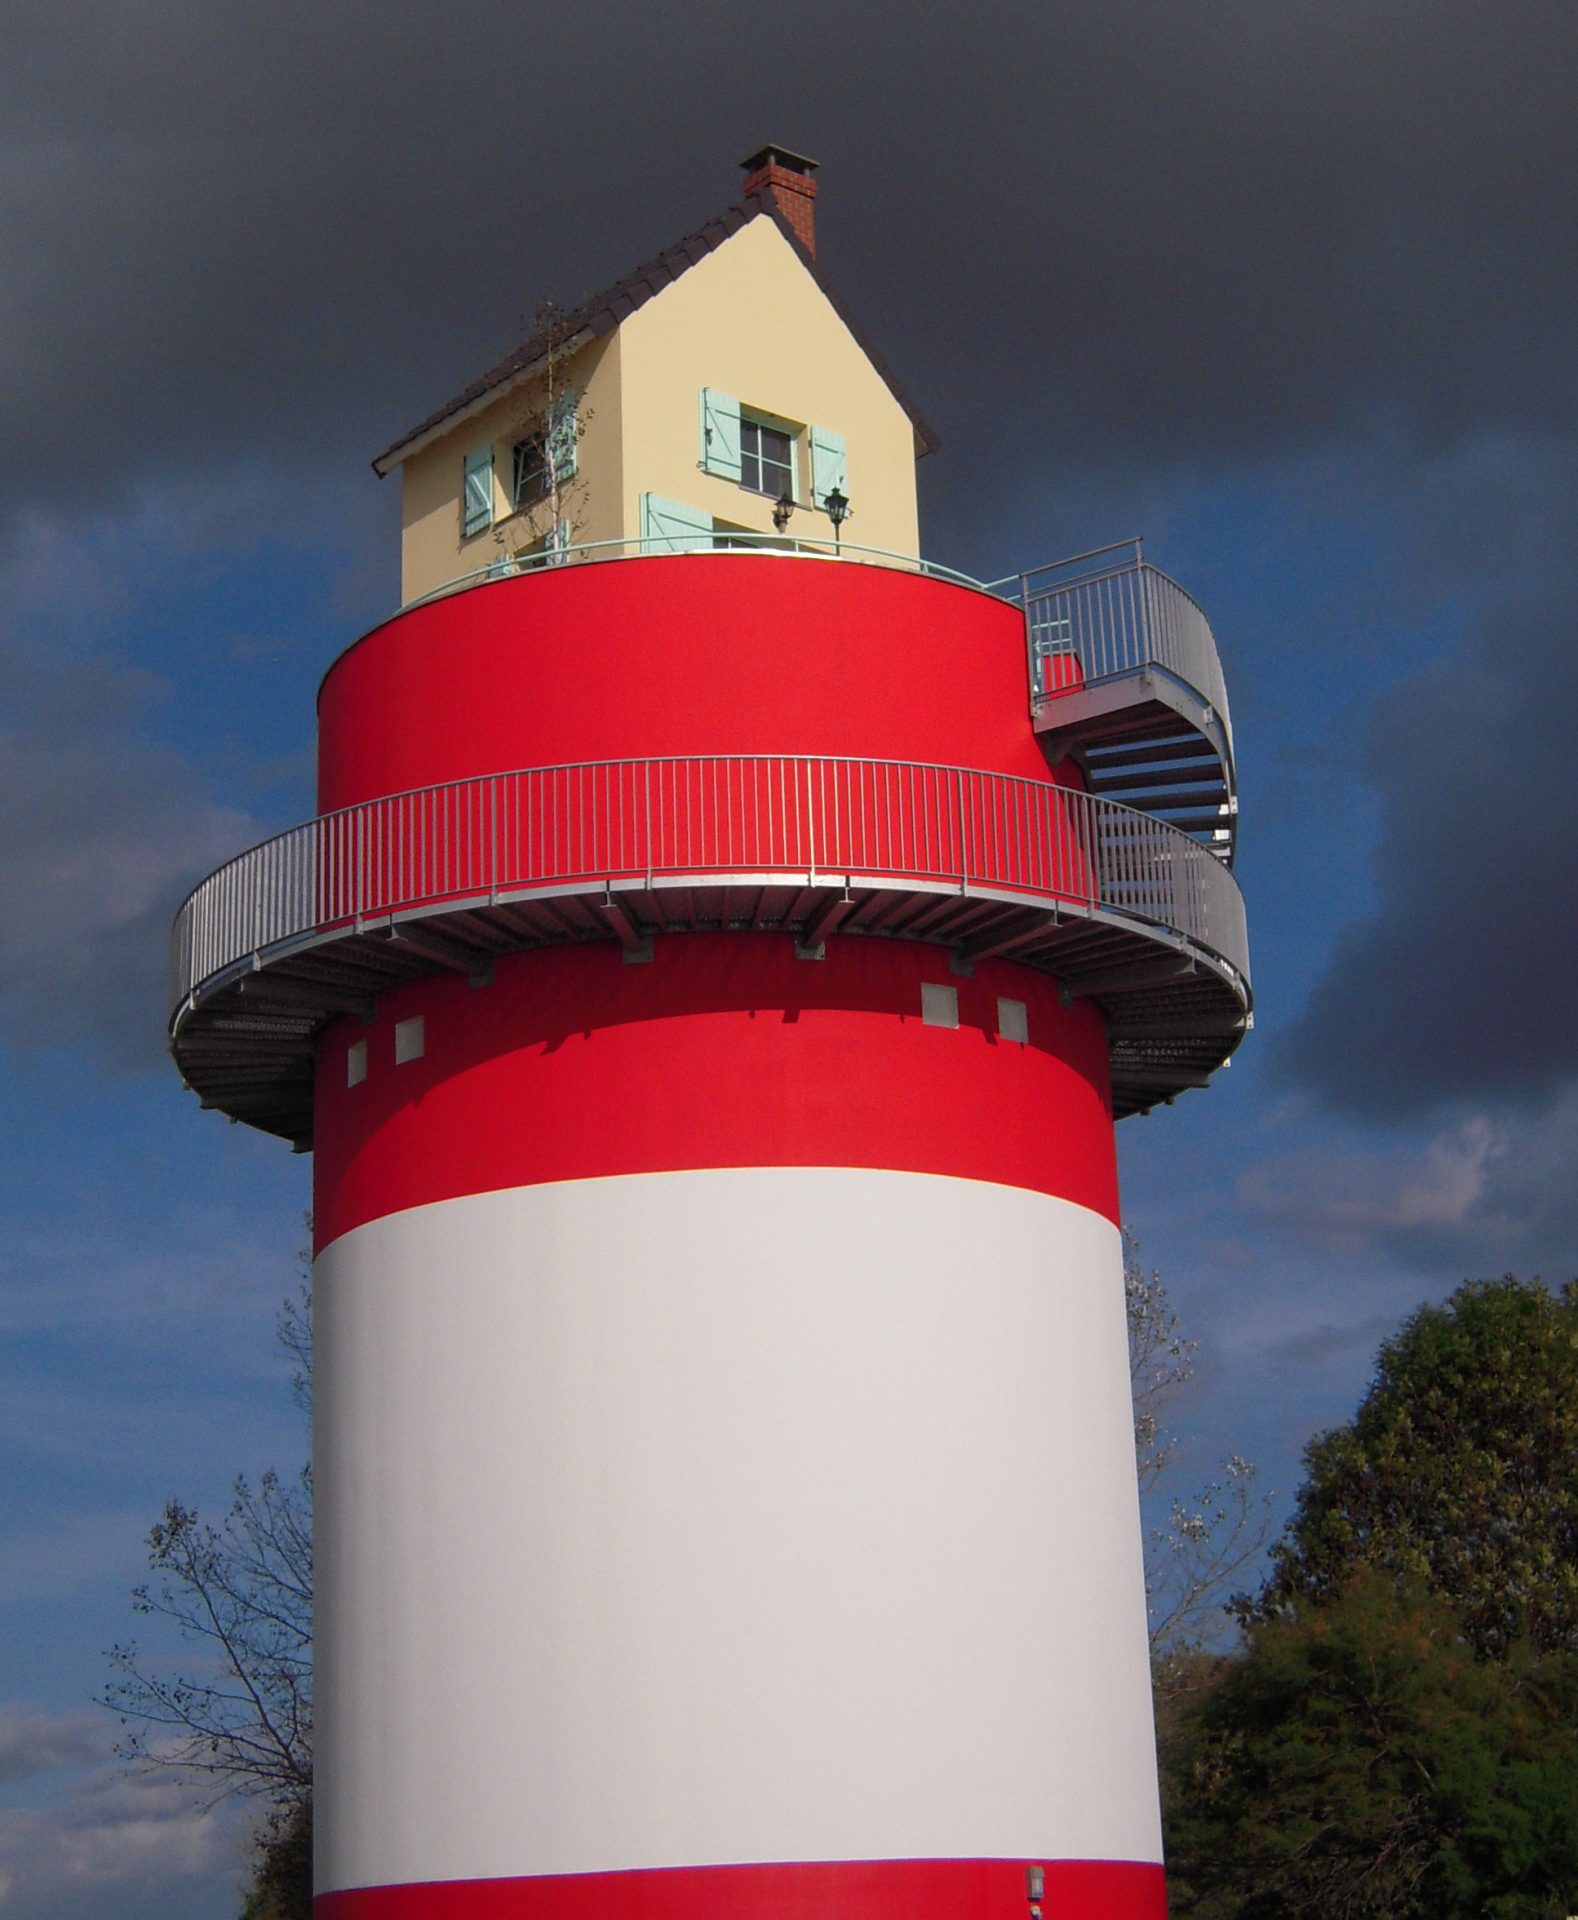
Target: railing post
x,y
964,832
646,826
1030,644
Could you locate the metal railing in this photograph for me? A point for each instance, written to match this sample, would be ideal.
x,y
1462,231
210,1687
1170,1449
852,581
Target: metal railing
x,y
506,565
1109,612
717,818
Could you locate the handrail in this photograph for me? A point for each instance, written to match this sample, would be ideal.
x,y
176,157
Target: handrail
x,y
643,822
792,546
1118,618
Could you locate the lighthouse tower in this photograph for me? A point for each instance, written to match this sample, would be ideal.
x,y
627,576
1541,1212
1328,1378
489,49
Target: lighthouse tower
x,y
723,947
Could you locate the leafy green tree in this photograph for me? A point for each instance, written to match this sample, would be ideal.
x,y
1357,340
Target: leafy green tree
x,y
1360,1761
1458,1473
281,1886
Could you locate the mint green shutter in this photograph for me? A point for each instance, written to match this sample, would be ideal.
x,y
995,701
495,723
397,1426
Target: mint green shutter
x,y
476,500
562,436
557,545
667,526
829,465
720,434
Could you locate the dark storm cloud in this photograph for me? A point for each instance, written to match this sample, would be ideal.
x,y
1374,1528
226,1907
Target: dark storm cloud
x,y
1462,988
1093,240
100,836
1196,228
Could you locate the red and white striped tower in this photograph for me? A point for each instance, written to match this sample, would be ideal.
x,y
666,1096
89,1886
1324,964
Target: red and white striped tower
x,y
725,1467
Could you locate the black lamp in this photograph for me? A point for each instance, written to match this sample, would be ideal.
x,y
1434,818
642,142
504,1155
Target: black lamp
x,y
837,511
782,510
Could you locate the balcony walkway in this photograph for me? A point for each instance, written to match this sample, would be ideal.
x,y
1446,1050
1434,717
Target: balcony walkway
x,y
1118,904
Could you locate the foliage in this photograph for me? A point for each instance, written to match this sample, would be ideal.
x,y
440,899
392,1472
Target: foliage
x,y
240,1592
1361,1760
1209,1539
281,1886
1459,1471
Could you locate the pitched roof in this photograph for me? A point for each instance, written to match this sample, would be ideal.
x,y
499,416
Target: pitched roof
x,y
604,311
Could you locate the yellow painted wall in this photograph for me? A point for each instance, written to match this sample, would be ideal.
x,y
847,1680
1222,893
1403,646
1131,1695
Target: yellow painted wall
x,y
431,548
747,320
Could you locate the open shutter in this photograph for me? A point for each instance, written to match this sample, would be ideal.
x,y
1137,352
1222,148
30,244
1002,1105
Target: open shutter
x,y
720,434
667,526
562,436
476,499
829,466
557,545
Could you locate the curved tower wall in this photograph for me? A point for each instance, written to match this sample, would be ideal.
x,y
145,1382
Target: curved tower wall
x,y
725,1468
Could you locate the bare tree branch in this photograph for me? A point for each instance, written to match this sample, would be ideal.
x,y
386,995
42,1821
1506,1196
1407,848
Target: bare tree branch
x,y
240,1595
1193,1562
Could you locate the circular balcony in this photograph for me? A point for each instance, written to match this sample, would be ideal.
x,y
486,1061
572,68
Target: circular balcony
x,y
1116,904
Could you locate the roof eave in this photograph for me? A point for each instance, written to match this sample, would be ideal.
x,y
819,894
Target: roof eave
x,y
432,430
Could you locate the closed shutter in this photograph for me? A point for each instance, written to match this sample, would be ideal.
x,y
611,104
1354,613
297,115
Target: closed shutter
x,y
563,438
829,465
720,434
476,501
667,526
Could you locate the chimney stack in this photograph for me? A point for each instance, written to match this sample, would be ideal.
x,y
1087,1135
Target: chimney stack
x,y
785,178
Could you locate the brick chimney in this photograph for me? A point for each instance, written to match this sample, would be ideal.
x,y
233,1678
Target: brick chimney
x,y
785,178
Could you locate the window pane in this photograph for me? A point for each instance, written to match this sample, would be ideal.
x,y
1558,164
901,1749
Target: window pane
x,y
531,470
766,458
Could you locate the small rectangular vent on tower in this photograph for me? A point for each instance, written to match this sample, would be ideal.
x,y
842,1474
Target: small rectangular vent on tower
x,y
1013,1020
939,1005
356,1063
410,1039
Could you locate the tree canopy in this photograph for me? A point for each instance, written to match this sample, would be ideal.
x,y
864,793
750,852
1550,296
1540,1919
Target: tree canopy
x,y
1458,1473
1362,1761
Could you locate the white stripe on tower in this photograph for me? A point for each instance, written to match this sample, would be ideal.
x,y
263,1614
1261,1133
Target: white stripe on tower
x,y
740,1515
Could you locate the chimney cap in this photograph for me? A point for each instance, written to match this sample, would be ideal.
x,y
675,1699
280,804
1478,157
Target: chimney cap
x,y
775,156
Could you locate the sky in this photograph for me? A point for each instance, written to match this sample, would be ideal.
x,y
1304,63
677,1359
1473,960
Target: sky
x,y
1286,288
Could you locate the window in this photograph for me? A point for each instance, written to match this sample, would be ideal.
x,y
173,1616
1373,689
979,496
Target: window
x,y
765,453
476,492
529,478
766,458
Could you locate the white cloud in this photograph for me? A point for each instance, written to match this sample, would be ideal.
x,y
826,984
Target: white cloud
x,y
118,1844
1349,1199
33,1741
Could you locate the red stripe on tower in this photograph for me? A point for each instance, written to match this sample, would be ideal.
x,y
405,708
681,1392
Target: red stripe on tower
x,y
841,1890
724,1051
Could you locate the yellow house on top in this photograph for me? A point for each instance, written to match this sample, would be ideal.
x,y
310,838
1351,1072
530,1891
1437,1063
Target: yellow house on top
x,y
721,390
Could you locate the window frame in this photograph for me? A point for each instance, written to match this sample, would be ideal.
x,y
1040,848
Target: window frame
x,y
537,437
755,424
